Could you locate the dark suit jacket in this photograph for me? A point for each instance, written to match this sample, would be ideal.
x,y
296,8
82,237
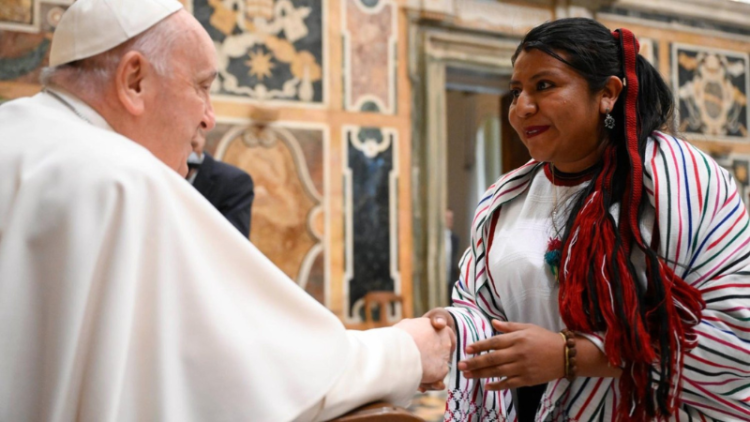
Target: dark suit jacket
x,y
227,188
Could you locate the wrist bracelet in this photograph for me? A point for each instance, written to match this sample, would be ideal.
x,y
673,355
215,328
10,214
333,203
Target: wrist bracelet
x,y
569,353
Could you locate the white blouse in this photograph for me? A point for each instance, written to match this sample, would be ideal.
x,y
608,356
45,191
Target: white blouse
x,y
527,288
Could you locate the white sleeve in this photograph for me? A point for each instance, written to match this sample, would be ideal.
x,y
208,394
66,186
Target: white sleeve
x,y
384,364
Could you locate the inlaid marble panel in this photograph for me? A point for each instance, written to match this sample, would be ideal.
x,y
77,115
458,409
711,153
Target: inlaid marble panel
x,y
711,88
371,225
267,49
370,34
288,214
25,38
17,11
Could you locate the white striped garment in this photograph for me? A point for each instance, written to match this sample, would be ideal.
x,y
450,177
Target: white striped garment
x,y
704,231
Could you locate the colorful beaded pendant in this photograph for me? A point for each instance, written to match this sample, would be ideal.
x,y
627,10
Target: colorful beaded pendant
x,y
553,255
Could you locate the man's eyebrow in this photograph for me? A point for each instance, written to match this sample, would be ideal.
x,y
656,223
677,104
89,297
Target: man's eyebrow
x,y
209,76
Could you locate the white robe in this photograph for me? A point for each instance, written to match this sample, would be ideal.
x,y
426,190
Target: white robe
x,y
125,296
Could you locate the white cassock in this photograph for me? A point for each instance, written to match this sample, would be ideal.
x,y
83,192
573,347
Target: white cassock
x,y
125,296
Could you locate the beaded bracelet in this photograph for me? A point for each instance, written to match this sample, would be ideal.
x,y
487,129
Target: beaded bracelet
x,y
569,352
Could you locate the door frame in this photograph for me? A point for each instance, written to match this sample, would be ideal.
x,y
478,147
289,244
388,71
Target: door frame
x,y
432,51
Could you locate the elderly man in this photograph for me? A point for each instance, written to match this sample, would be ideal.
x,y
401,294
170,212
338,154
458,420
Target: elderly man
x,y
124,295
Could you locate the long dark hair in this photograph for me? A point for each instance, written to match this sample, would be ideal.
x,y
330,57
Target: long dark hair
x,y
645,323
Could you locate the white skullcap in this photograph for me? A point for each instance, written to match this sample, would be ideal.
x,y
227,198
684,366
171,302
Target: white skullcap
x,y
90,27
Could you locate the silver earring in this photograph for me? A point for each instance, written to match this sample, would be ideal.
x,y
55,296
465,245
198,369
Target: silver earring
x,y
609,121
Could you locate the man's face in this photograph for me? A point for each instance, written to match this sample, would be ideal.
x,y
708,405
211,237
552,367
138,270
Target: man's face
x,y
182,111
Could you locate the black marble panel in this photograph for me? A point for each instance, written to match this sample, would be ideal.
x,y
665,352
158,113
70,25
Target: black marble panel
x,y
271,70
370,216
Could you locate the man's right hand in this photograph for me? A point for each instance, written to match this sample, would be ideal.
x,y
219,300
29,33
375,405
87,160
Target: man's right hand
x,y
435,348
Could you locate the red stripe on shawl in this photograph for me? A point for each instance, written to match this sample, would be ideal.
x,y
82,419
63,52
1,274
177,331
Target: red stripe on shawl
x,y
719,399
679,191
697,180
726,286
728,324
591,396
724,342
716,365
493,226
731,229
720,264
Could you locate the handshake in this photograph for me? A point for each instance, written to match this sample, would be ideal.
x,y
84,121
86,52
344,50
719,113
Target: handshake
x,y
436,341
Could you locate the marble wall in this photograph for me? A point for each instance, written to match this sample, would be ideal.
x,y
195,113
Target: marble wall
x,y
370,196
288,215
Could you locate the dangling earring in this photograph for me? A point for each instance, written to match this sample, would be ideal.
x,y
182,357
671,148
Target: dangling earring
x,y
609,121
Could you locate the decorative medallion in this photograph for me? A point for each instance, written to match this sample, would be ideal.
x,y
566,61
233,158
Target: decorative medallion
x,y
268,50
711,88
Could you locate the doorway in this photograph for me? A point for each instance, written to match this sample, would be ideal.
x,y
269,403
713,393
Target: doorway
x,y
481,146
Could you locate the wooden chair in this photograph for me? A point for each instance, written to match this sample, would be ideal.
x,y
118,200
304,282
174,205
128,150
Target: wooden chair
x,y
378,412
383,299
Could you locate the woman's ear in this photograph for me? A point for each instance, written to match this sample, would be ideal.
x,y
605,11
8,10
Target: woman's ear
x,y
130,78
609,94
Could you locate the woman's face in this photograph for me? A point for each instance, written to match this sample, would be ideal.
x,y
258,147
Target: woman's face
x,y
554,112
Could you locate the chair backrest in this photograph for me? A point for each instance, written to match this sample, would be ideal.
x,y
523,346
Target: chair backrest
x,y
383,299
378,412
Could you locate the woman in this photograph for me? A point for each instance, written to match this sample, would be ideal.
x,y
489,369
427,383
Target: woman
x,y
632,242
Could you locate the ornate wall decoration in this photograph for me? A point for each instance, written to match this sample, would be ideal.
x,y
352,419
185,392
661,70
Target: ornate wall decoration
x,y
371,222
267,49
17,11
26,28
370,33
711,88
288,215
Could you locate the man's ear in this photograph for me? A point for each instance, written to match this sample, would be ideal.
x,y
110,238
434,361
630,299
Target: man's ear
x,y
131,77
609,94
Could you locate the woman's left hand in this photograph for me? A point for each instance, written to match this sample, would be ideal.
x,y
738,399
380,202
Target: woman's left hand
x,y
525,354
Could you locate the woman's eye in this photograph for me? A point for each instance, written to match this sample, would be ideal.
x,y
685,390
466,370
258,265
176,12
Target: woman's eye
x,y
542,85
515,93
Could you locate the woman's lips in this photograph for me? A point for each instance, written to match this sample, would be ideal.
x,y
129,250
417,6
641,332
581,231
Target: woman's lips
x,y
533,131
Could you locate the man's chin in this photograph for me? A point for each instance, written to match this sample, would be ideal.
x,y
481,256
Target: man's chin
x,y
183,170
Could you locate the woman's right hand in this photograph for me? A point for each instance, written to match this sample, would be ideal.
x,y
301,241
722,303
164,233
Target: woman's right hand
x,y
440,318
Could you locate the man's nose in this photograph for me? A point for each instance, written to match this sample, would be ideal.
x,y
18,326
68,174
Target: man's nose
x,y
209,119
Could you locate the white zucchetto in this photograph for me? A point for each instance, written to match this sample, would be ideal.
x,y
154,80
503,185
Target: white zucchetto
x,y
90,27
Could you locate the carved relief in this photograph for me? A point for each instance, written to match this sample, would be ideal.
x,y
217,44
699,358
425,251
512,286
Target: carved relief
x,y
288,215
370,31
267,49
712,91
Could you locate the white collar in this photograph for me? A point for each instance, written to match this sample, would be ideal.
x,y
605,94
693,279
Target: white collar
x,y
78,107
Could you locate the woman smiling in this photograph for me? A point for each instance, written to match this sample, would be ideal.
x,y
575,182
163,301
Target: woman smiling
x,y
608,278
